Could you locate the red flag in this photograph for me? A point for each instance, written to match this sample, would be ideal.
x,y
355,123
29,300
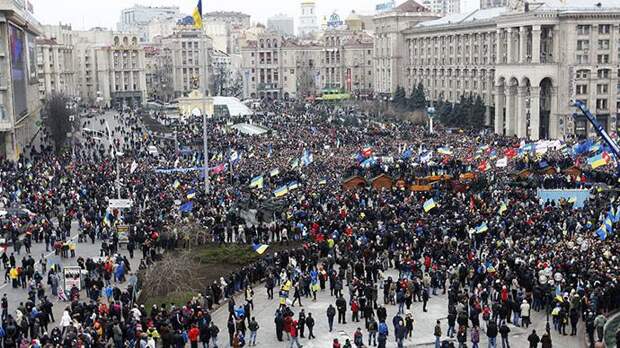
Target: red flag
x,y
482,166
472,204
510,153
217,170
367,152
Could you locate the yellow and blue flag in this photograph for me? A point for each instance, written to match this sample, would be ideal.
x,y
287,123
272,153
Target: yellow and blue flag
x,y
482,228
293,185
502,209
599,160
197,15
429,204
282,191
176,184
260,248
257,182
602,232
191,194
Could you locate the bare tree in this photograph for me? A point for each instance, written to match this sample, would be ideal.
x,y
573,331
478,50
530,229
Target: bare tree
x,y
305,78
58,120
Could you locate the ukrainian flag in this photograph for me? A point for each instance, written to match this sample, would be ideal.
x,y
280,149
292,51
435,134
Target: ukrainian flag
x,y
260,248
257,182
502,209
282,191
191,194
599,160
602,232
428,205
275,172
322,182
293,185
197,15
176,184
482,228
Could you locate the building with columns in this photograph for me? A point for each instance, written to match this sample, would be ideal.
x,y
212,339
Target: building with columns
x,y
308,23
389,43
110,68
526,61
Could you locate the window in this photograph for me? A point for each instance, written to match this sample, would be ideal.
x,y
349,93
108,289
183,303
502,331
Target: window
x,y
582,74
604,28
602,88
603,74
582,89
582,59
602,59
601,104
603,44
583,45
583,30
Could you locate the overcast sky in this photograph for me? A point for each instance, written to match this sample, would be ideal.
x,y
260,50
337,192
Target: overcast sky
x,y
84,14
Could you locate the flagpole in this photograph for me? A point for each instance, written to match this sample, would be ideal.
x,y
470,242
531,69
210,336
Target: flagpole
x,y
205,148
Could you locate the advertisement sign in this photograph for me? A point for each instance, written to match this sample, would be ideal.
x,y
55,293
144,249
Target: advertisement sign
x,y
18,69
385,6
72,276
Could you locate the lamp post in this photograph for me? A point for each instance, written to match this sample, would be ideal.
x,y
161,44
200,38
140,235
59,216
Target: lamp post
x,y
430,111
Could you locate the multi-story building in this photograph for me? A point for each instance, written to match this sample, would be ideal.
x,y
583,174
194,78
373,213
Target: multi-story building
x,y
158,71
110,68
229,17
281,24
55,61
190,50
136,19
308,23
389,43
225,28
443,7
226,76
20,105
526,62
274,67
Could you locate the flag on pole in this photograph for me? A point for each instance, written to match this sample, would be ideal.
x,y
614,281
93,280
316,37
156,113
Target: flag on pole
x,y
322,182
599,160
191,194
197,15
429,204
602,232
260,248
274,172
295,163
482,228
307,158
282,191
133,168
293,185
257,182
444,151
186,207
367,151
176,184
218,169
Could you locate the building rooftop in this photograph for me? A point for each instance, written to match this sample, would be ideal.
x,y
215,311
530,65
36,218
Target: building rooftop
x,y
410,6
561,6
226,14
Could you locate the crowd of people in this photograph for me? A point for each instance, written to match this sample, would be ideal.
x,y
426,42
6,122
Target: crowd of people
x,y
487,242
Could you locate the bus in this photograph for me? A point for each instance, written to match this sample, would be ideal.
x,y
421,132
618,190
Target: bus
x,y
333,95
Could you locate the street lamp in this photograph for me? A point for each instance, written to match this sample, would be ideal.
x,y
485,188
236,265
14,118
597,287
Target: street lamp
x,y
430,111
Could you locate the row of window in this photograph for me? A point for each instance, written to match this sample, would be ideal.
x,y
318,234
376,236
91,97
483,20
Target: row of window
x,y
585,29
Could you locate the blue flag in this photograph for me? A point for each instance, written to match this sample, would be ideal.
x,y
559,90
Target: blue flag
x,y
186,207
407,154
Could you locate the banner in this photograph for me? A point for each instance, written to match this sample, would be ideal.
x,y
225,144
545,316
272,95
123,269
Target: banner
x,y
577,196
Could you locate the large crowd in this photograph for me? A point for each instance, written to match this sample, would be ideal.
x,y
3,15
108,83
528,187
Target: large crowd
x,y
487,242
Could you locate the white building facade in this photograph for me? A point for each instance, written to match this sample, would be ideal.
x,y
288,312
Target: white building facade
x,y
55,61
110,68
525,62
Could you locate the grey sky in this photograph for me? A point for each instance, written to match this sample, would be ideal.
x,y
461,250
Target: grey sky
x,y
84,14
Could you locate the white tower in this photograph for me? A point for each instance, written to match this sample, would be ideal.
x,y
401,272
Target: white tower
x,y
308,20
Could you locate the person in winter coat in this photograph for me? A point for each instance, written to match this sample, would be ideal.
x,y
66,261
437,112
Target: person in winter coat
x,y
546,341
492,334
331,313
253,326
294,334
461,336
504,330
533,339
310,325
475,337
